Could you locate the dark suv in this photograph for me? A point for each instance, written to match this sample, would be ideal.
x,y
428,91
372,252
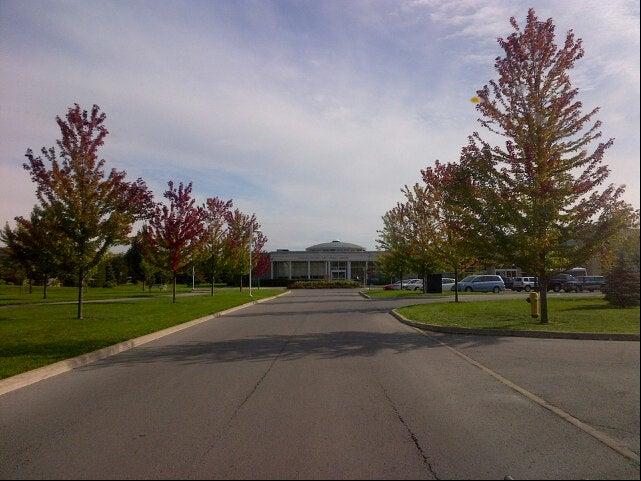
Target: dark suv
x,y
564,282
591,283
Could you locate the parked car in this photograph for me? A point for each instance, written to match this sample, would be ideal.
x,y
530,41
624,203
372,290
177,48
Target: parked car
x,y
591,283
447,283
524,284
508,281
413,284
564,282
396,286
482,283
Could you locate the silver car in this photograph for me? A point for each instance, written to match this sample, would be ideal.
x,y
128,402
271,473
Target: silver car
x,y
482,283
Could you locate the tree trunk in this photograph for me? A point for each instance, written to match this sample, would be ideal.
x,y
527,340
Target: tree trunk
x,y
44,288
212,277
30,285
456,284
81,278
543,298
143,285
173,289
241,283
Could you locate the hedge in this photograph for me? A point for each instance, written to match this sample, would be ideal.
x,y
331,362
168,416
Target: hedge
x,y
324,284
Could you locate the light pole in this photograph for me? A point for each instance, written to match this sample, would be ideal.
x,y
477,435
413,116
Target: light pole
x,y
251,236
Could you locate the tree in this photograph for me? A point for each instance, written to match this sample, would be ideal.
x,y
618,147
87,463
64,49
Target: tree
x,y
239,228
262,264
91,210
435,205
623,264
216,211
392,239
34,245
133,259
176,232
536,200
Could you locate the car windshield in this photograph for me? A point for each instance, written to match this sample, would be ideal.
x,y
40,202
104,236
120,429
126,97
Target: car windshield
x,y
468,279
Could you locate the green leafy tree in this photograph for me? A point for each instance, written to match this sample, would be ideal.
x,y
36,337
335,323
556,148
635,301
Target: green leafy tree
x,y
537,201
212,258
91,210
393,240
241,228
35,245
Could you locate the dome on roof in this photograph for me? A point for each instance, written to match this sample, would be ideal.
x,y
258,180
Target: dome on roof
x,y
336,246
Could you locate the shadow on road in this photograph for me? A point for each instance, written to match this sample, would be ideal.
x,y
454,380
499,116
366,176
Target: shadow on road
x,y
333,345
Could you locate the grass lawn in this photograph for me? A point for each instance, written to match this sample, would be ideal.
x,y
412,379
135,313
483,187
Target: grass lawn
x,y
10,295
569,315
33,336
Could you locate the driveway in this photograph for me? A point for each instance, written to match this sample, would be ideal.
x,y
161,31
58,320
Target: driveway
x,y
325,384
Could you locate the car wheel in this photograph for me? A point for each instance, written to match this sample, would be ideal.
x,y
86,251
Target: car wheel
x,y
496,290
468,289
528,288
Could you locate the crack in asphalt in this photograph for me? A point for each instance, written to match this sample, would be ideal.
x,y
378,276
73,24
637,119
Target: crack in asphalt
x,y
417,444
246,399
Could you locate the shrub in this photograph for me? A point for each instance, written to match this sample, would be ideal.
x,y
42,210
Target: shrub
x,y
622,288
324,284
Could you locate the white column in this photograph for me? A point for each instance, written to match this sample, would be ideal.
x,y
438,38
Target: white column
x,y
309,270
349,269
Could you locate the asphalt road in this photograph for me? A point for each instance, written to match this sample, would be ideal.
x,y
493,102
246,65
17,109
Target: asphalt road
x,y
325,384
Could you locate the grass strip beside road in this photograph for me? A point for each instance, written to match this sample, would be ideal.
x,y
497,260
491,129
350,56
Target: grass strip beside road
x,y
34,336
13,295
592,315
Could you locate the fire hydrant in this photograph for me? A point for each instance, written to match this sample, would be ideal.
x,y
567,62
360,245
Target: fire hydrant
x,y
535,305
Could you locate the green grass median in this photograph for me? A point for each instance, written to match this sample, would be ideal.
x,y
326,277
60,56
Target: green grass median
x,y
33,336
592,315
12,295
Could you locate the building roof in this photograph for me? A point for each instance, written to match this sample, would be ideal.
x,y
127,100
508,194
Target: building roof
x,y
336,246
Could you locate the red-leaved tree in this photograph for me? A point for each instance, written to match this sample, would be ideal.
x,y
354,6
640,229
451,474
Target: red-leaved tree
x,y
540,200
176,231
91,210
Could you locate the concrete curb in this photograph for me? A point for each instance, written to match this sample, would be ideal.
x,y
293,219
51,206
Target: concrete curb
x,y
587,336
30,377
364,295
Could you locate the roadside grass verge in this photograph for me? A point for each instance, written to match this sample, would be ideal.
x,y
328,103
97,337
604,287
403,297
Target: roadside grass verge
x,y
34,336
10,295
592,315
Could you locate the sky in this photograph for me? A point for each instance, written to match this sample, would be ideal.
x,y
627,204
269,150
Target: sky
x,y
311,114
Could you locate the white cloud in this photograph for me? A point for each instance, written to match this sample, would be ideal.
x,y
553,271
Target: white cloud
x,y
316,134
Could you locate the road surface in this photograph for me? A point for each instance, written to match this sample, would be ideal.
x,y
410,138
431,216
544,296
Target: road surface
x,y
326,384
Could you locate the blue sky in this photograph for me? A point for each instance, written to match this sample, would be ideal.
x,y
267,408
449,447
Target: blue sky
x,y
312,114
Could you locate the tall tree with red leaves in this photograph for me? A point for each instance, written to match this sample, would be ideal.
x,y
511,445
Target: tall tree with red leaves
x,y
176,231
537,200
91,210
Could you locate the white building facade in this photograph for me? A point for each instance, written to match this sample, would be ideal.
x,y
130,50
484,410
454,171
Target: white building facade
x,y
334,260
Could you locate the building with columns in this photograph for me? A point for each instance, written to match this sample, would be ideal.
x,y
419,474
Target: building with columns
x,y
330,260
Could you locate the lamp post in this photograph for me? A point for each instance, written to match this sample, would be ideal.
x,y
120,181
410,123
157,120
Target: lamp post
x,y
251,236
